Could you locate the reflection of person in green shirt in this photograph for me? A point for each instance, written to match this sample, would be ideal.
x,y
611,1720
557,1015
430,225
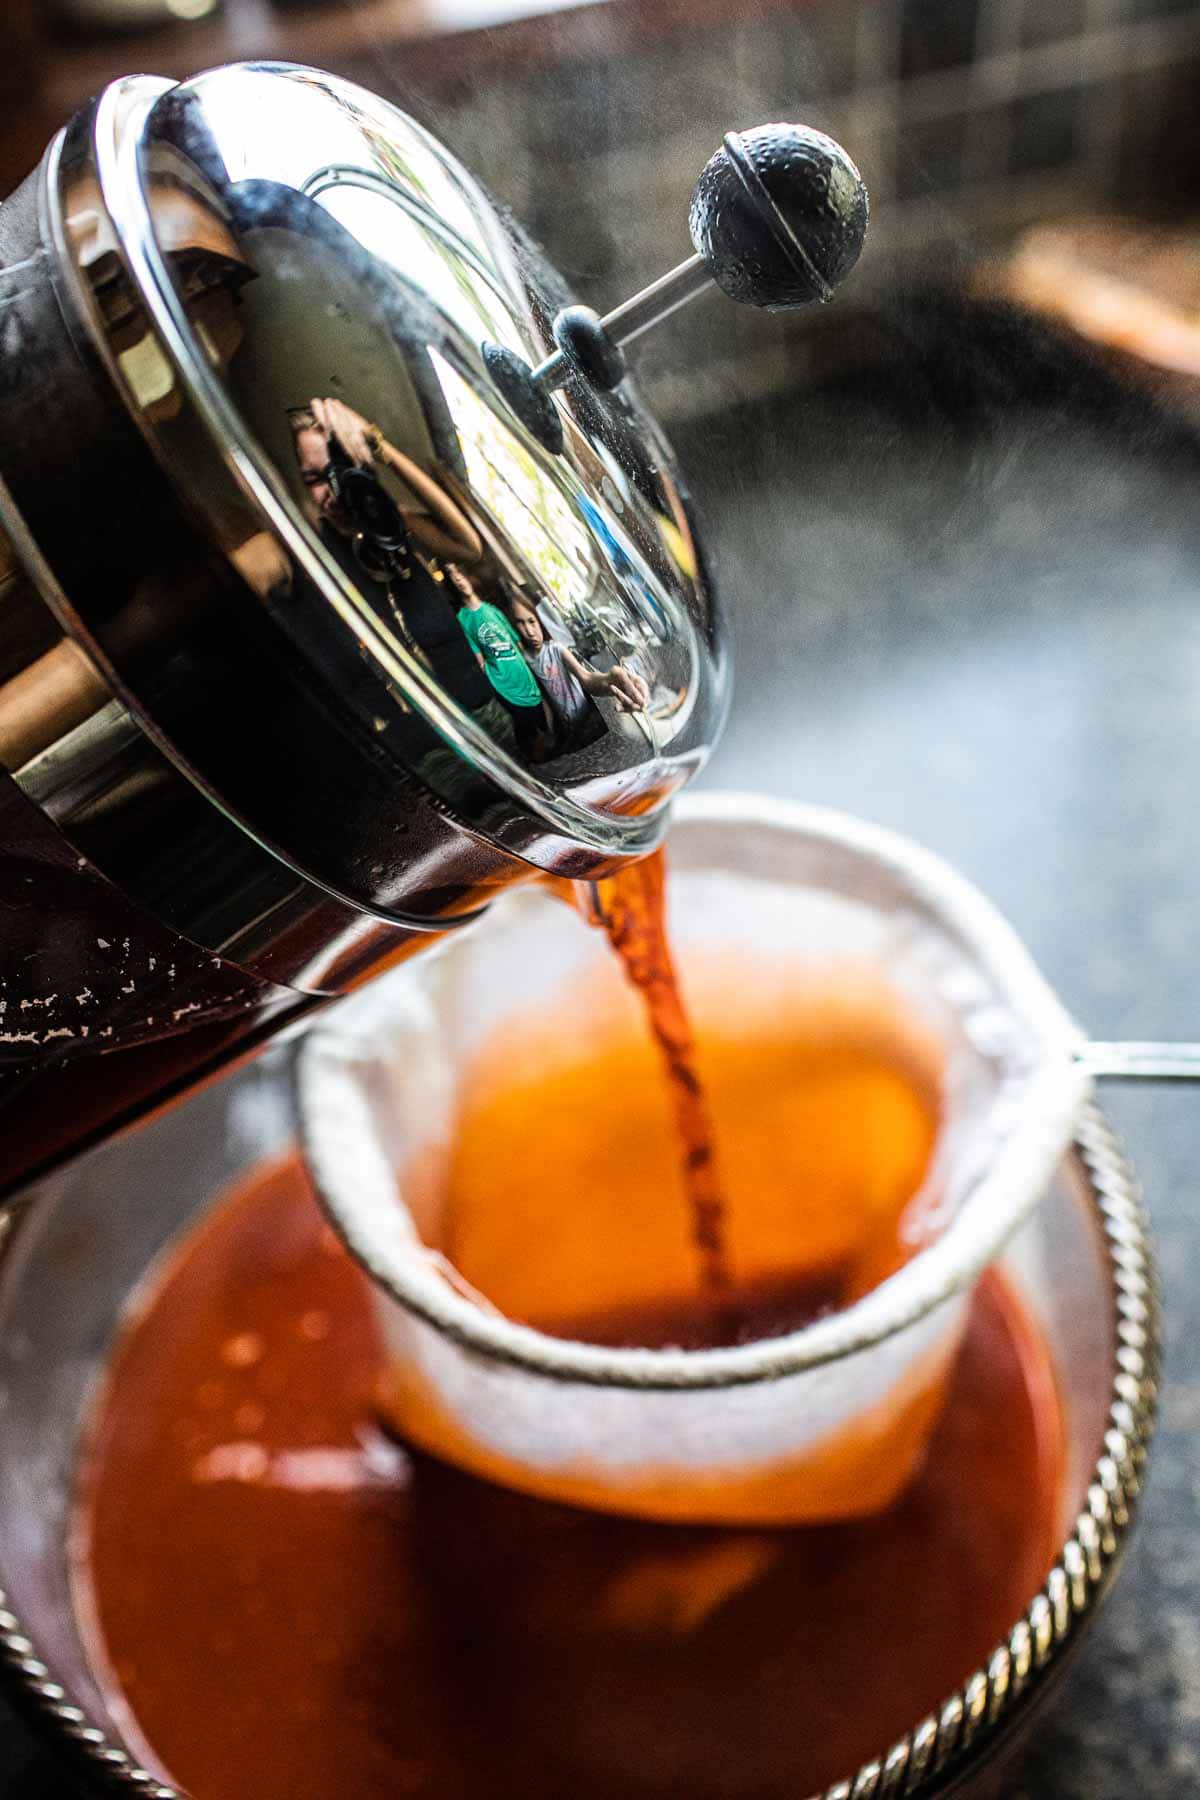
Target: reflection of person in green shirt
x,y
498,649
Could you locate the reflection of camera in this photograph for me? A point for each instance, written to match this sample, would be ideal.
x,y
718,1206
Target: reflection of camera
x,y
366,505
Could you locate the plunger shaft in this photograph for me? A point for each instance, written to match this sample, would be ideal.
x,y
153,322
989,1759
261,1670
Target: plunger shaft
x,y
777,219
642,310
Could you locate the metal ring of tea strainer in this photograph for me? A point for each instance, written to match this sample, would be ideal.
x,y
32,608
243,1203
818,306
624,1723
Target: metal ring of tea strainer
x,y
572,1419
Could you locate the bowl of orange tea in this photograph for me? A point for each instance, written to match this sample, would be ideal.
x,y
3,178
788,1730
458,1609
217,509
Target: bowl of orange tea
x,y
703,1343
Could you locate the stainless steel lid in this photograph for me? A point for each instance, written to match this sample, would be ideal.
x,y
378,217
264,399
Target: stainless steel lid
x,y
320,281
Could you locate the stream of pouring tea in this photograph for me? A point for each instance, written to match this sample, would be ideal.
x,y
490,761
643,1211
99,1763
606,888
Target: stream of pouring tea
x,y
631,909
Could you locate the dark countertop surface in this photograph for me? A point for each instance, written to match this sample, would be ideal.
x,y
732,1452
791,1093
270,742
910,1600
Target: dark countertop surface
x,y
967,596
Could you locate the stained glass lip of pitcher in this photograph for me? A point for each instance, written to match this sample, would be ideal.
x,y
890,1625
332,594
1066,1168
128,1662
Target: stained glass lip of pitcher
x,y
995,1173
531,635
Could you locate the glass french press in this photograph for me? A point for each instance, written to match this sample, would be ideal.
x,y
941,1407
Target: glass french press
x,y
289,404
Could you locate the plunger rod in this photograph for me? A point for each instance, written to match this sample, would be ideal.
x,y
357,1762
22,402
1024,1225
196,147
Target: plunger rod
x,y
637,314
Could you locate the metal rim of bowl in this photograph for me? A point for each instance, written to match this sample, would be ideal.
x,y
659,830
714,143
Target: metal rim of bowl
x,y
945,1745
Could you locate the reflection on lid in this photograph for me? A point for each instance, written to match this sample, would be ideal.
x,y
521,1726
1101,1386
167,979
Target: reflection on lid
x,y
523,498
474,601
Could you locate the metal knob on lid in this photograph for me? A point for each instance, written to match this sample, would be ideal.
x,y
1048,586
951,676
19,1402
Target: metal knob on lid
x,y
778,219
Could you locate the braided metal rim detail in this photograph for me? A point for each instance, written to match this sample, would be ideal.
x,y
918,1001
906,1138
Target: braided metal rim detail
x,y
945,1742
941,1747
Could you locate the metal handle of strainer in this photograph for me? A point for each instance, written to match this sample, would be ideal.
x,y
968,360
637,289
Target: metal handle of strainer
x,y
1142,1061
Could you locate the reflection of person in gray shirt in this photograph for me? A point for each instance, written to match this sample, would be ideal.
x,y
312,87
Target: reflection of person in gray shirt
x,y
568,684
570,704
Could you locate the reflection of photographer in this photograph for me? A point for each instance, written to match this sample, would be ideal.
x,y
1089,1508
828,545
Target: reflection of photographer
x,y
389,550
338,450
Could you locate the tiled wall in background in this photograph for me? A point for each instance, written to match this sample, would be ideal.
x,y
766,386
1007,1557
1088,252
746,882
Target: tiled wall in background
x,y
969,119
592,118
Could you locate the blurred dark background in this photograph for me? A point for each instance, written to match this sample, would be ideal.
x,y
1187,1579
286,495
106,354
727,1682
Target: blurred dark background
x,y
970,119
